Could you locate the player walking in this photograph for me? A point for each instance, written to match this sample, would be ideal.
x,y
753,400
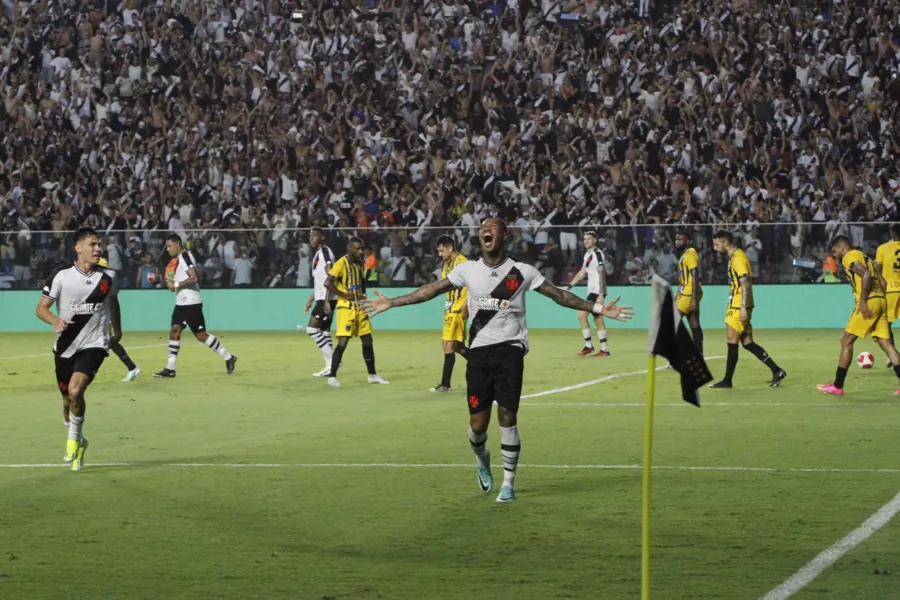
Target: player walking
x,y
738,313
117,348
498,341
456,313
87,305
321,301
184,281
887,265
869,317
592,267
347,281
689,291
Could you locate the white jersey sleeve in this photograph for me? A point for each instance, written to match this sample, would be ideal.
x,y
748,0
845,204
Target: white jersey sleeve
x,y
533,277
53,288
457,277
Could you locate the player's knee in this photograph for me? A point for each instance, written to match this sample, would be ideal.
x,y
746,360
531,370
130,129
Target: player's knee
x,y
202,336
479,421
76,390
506,417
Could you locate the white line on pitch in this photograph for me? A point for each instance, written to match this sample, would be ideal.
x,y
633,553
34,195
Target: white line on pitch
x,y
585,384
706,404
833,553
447,465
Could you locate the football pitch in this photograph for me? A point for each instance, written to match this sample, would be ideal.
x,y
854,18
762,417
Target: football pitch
x,y
270,484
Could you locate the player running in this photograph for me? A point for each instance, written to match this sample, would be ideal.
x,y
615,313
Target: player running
x,y
738,313
117,348
498,341
887,265
594,269
456,313
689,291
347,281
869,316
321,301
184,281
87,306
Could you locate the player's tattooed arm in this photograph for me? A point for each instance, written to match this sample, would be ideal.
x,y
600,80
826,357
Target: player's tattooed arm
x,y
331,287
570,300
865,286
382,303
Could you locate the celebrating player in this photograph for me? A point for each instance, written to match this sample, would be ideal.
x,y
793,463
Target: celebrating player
x,y
887,265
456,312
689,291
115,346
498,341
347,281
184,281
87,305
319,327
739,312
593,267
869,316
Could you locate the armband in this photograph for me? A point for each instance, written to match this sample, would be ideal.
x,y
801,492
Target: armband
x,y
597,310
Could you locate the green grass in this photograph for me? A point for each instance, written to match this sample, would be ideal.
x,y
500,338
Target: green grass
x,y
162,531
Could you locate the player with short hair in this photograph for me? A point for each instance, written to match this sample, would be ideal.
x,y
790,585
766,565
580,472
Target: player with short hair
x,y
347,281
183,279
594,268
456,312
887,266
321,301
739,311
87,307
498,341
117,348
869,316
689,291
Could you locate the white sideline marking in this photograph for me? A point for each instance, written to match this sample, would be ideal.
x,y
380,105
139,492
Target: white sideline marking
x,y
833,553
585,384
445,466
48,354
706,404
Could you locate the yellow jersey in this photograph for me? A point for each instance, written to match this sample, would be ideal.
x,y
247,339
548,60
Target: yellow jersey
x,y
856,256
888,258
103,263
456,299
349,278
688,269
738,266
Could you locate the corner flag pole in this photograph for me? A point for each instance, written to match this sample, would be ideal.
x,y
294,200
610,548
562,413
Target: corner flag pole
x,y
645,500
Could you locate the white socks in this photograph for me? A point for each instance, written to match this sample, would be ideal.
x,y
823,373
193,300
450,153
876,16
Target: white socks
x,y
75,426
323,341
587,337
478,441
510,445
174,347
601,335
216,346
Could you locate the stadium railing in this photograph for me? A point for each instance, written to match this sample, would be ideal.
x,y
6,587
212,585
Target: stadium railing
x,y
781,253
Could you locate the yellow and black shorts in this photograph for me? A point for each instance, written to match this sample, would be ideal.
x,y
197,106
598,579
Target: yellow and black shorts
x,y
454,328
878,326
352,322
684,303
893,306
733,320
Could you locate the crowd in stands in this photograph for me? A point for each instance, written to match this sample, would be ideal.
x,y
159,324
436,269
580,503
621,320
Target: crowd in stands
x,y
238,123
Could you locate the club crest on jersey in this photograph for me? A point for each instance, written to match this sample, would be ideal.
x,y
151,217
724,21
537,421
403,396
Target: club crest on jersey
x,y
104,287
512,282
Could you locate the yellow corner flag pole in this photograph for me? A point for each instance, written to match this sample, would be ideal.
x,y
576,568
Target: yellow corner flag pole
x,y
645,500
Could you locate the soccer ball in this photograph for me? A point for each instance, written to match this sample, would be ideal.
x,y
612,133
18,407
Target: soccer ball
x,y
865,360
151,278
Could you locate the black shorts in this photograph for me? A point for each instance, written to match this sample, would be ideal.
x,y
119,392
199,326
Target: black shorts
x,y
318,313
494,374
592,297
84,361
190,315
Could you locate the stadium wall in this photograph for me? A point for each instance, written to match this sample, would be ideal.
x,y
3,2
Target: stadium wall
x,y
778,307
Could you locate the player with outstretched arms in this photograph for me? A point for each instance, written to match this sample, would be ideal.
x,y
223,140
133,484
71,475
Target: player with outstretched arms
x,y
184,281
887,266
347,281
739,312
498,341
869,315
456,313
592,267
321,302
87,308
689,291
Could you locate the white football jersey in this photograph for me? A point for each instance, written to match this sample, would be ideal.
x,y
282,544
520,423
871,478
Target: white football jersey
x,y
81,298
496,300
322,263
190,294
592,263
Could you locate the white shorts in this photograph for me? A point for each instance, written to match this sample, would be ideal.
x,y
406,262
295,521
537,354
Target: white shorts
x,y
568,241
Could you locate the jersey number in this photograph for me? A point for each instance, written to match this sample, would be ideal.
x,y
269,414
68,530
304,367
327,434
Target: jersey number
x,y
897,260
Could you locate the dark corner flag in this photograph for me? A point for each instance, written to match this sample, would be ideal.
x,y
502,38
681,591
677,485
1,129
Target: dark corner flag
x,y
669,338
